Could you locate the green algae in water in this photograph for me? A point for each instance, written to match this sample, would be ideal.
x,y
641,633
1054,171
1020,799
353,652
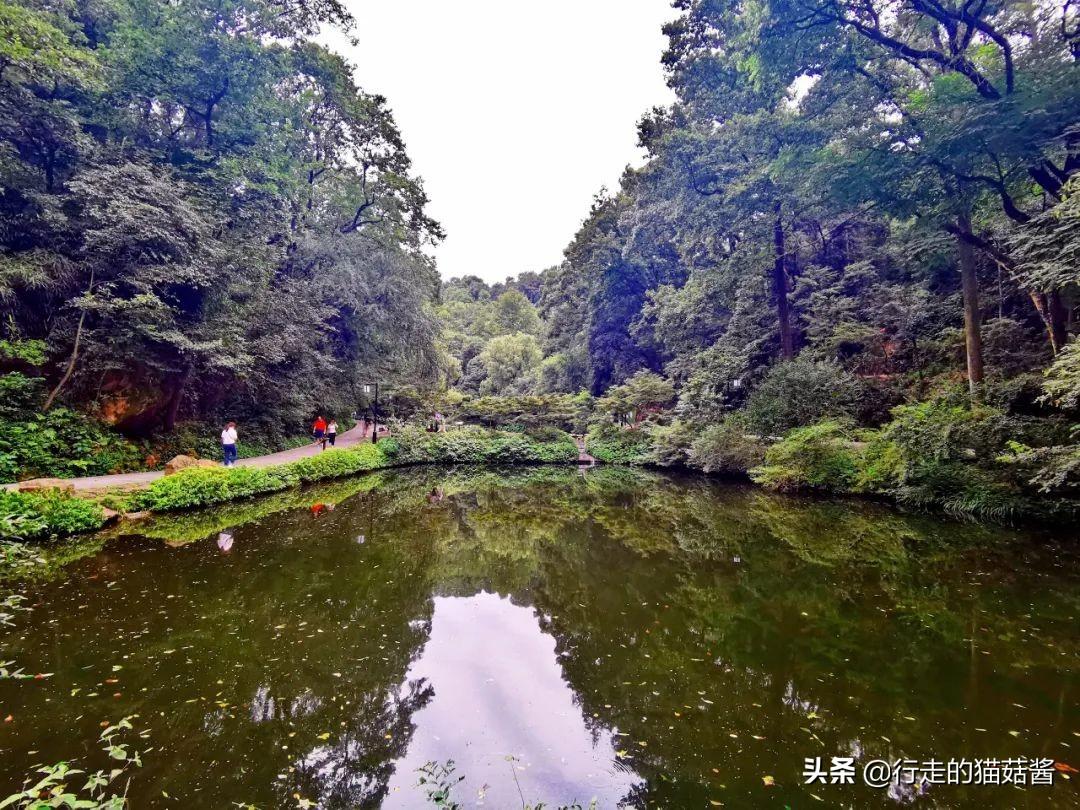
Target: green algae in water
x,y
641,639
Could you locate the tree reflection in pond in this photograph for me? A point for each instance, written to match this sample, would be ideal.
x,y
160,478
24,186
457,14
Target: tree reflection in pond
x,y
646,639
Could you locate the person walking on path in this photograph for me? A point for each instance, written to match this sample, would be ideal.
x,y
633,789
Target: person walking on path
x,y
318,431
331,432
228,444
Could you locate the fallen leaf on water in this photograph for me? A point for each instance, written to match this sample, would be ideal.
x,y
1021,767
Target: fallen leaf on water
x,y
9,718
1063,768
768,781
1015,733
325,736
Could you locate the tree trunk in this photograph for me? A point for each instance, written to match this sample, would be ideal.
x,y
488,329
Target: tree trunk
x,y
177,397
780,289
1059,321
969,283
74,354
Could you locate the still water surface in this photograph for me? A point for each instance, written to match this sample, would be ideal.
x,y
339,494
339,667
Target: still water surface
x,y
561,635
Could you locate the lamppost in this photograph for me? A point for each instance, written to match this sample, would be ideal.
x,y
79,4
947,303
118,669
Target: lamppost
x,y
374,410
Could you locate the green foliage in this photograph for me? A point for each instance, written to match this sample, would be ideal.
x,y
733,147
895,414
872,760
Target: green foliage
x,y
169,212
820,457
616,445
35,515
54,786
30,352
471,445
339,463
204,486
19,517
506,365
569,412
1062,384
939,453
62,443
438,781
642,393
800,392
1053,469
726,447
671,443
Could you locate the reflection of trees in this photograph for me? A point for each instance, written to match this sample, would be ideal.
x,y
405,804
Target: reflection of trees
x,y
683,612
353,768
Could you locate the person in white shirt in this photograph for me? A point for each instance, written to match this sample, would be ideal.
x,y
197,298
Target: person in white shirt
x,y
228,444
331,432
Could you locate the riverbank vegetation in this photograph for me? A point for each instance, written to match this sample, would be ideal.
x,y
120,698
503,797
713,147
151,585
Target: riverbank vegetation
x,y
28,516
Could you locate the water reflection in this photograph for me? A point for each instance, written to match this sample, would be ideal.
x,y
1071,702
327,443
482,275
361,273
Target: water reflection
x,y
644,639
499,692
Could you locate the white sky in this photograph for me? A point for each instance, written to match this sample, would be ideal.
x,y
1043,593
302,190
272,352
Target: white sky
x,y
514,113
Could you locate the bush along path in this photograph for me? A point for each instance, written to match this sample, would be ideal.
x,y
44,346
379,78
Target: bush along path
x,y
98,483
27,516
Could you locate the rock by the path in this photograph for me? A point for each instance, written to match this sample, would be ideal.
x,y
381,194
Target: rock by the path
x,y
46,484
179,463
142,515
109,514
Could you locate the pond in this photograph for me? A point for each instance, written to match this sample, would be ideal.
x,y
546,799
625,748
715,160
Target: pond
x,y
560,635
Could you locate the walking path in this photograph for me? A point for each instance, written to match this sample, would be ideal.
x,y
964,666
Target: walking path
x,y
355,435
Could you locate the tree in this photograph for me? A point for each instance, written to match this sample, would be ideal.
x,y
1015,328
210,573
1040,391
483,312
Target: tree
x,y
507,364
514,313
247,214
641,393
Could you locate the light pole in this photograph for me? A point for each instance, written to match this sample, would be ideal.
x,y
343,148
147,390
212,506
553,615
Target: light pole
x,y
374,410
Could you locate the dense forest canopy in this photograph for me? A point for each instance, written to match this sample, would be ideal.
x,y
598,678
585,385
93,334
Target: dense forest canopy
x,y
202,213
857,214
873,204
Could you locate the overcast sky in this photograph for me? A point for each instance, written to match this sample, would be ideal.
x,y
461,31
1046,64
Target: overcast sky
x,y
514,113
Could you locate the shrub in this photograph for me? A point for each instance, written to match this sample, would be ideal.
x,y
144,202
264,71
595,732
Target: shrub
x,y
1062,384
801,392
472,445
33,515
671,443
942,453
203,486
61,442
18,518
726,448
339,463
821,456
616,445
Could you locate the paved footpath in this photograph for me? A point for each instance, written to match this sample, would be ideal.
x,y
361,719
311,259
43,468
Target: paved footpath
x,y
357,434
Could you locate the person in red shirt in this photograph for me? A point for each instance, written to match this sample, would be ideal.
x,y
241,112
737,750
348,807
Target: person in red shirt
x,y
318,431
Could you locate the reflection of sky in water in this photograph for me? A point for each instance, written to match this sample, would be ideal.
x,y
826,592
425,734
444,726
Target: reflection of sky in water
x,y
499,691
